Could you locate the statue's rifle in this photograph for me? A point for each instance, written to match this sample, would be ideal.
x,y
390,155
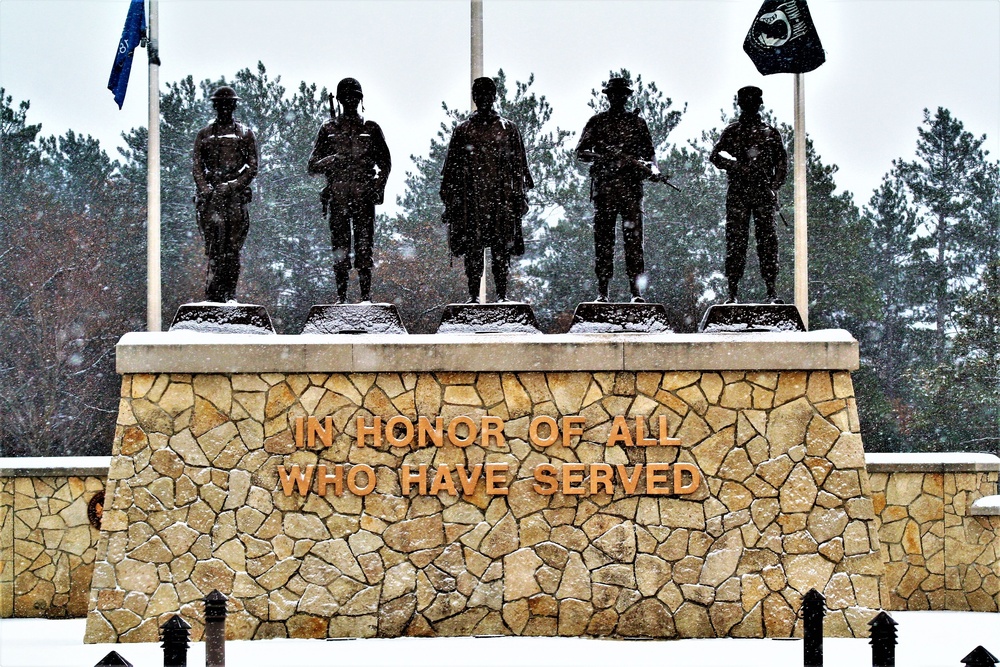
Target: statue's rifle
x,y
647,167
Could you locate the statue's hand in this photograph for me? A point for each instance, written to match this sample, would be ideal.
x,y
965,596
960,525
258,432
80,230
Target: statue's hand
x,y
224,188
205,192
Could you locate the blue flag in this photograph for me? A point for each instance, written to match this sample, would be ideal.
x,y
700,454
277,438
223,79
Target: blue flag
x,y
135,26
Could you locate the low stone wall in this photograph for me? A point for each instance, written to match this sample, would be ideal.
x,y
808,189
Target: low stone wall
x,y
730,493
47,543
942,554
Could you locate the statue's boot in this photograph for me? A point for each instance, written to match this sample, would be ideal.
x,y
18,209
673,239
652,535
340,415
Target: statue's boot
x,y
500,271
341,276
734,288
365,283
772,295
603,285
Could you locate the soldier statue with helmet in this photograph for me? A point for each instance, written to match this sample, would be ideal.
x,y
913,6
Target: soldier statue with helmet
x,y
225,163
351,152
753,156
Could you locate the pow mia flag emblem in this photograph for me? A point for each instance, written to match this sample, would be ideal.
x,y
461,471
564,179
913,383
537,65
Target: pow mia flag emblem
x,y
783,39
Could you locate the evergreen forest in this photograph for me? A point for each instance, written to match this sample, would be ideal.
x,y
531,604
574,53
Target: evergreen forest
x,y
913,272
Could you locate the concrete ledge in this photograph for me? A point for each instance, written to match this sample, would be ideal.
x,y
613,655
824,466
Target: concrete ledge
x,y
55,466
932,462
188,352
986,506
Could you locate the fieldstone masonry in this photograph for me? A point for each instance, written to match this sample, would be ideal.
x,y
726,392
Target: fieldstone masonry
x,y
941,554
47,543
195,502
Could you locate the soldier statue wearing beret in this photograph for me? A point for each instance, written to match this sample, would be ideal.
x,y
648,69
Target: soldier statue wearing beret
x,y
225,163
351,152
754,158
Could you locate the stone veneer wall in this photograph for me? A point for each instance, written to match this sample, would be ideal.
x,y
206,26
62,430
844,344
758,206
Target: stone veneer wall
x,y
941,555
196,504
47,545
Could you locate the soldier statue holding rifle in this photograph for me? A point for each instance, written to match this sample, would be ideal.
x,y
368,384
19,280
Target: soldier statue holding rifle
x,y
351,152
754,158
618,144
225,163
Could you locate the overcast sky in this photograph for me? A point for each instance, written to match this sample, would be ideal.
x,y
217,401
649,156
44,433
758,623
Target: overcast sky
x,y
886,61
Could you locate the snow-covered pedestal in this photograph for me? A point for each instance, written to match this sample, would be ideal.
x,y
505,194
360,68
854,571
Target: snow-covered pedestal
x,y
692,485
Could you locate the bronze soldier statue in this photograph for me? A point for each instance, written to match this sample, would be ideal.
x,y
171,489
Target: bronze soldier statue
x,y
351,152
757,165
619,145
225,163
483,187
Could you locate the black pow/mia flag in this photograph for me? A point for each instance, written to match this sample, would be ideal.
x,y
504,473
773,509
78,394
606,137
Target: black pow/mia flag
x,y
784,39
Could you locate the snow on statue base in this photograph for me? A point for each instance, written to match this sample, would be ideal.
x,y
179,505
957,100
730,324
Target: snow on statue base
x,y
619,486
214,317
598,317
354,318
748,317
488,318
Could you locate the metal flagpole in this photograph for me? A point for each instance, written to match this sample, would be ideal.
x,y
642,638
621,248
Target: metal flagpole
x,y
153,174
477,71
801,226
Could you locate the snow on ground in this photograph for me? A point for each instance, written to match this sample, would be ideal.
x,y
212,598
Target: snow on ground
x,y
926,639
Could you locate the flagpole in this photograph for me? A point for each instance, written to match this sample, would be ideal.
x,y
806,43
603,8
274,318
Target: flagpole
x,y
153,175
477,71
801,226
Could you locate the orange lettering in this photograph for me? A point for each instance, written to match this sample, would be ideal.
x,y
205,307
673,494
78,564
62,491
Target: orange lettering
x,y
630,483
337,479
408,478
572,473
295,478
469,483
435,432
390,431
443,481
546,481
679,470
496,475
536,439
453,435
619,433
375,431
656,473
572,426
324,432
493,430
602,475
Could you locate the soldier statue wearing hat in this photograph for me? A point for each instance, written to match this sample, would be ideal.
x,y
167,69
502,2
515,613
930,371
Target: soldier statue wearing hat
x,y
618,144
351,152
483,186
225,163
754,158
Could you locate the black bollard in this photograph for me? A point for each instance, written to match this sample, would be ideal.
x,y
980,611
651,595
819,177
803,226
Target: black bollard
x,y
215,629
883,640
813,610
175,642
980,657
113,660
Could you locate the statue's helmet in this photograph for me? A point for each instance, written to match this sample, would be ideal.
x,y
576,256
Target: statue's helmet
x,y
749,95
224,93
617,85
348,85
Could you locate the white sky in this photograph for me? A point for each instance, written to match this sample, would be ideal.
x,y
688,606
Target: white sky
x,y
886,61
